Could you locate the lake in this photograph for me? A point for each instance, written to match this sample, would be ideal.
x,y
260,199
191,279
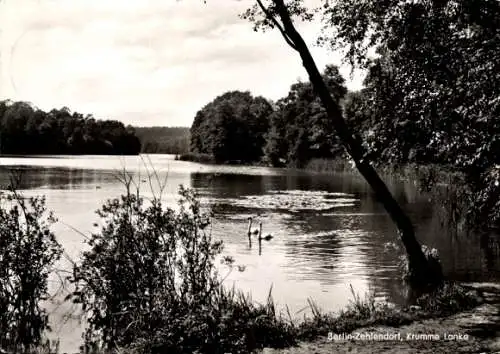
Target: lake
x,y
329,231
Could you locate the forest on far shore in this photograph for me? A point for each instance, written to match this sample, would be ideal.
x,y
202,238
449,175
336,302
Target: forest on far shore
x,y
27,130
163,140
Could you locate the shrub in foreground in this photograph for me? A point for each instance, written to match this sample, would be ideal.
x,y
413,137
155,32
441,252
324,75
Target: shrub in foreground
x,y
28,252
149,283
448,299
232,323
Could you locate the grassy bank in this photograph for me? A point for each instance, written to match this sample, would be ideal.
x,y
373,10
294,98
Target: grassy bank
x,y
471,331
362,312
426,173
314,165
234,324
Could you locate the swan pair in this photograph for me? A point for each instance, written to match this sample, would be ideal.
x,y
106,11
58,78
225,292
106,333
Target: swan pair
x,y
257,231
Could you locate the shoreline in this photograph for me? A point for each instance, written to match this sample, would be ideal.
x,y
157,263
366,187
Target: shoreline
x,y
472,331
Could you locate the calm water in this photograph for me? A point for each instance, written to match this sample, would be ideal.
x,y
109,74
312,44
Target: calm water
x,y
329,232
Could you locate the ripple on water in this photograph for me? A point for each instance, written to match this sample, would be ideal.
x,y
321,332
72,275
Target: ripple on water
x,y
243,217
328,256
292,201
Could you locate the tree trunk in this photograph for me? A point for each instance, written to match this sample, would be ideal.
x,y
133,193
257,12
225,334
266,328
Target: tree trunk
x,y
420,270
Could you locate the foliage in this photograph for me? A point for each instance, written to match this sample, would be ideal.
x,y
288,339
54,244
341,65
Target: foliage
x,y
163,140
300,128
149,282
129,280
356,111
28,252
264,21
429,101
448,299
231,127
24,129
430,254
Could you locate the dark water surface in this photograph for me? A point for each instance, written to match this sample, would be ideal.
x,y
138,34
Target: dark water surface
x,y
329,232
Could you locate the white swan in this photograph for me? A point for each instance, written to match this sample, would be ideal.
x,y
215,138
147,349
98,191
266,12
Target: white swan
x,y
267,237
250,231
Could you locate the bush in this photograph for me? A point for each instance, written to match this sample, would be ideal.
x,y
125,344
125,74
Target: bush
x,y
28,251
448,299
145,266
149,284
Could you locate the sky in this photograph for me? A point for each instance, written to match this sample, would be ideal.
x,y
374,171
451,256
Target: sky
x,y
145,63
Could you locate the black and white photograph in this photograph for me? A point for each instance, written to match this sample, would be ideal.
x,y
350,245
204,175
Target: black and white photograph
x,y
249,176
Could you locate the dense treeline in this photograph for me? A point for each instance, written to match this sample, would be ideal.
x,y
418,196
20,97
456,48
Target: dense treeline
x,y
163,140
25,129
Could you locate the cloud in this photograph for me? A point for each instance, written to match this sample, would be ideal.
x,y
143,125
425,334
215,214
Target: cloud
x,y
143,62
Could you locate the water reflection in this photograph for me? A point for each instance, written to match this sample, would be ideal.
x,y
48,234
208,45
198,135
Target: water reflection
x,y
54,178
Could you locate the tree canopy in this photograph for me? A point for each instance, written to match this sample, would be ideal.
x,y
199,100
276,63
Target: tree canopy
x,y
295,129
300,128
232,127
434,84
432,90
25,129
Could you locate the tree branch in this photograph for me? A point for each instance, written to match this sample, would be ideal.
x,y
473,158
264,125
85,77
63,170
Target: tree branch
x,y
277,24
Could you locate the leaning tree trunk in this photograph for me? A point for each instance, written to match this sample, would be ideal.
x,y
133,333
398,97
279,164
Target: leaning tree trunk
x,y
421,271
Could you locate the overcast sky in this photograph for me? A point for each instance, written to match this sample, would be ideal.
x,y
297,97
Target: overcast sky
x,y
143,62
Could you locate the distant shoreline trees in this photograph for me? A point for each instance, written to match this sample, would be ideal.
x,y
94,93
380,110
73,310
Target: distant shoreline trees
x,y
163,140
27,130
